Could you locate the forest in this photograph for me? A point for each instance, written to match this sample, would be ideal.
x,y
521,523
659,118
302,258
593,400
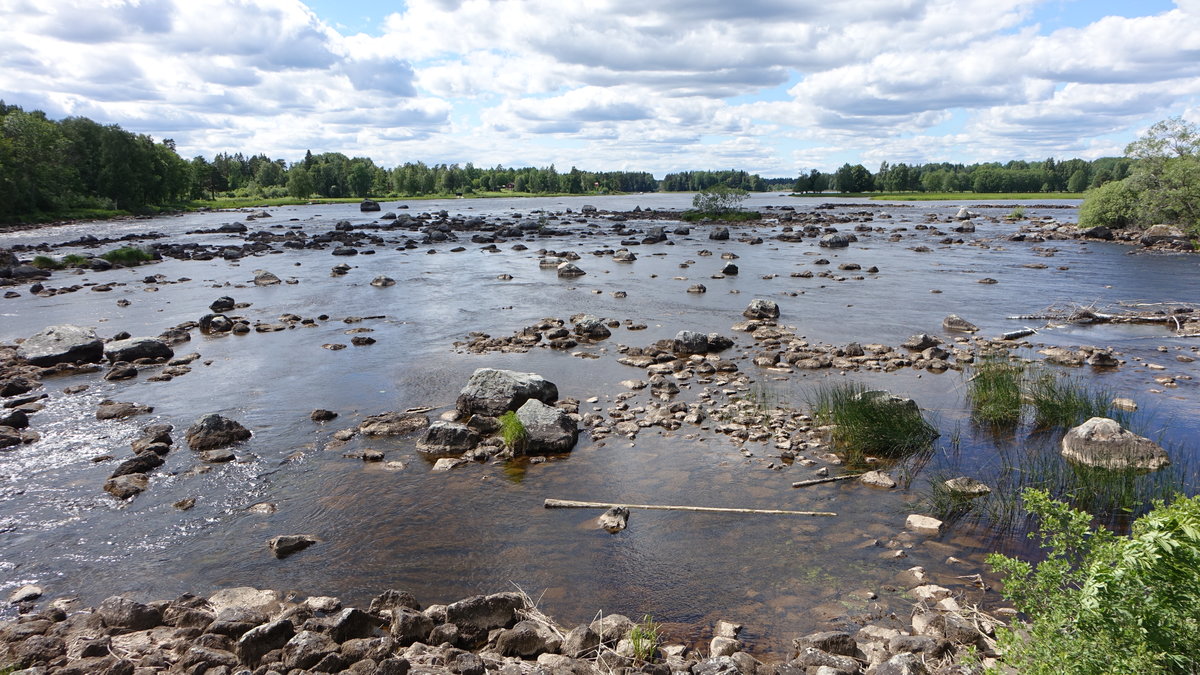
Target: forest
x,y
76,166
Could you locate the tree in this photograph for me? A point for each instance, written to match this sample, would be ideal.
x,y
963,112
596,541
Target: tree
x,y
719,199
853,179
1078,181
300,182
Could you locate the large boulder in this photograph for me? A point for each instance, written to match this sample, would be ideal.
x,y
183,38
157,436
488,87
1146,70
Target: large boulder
x,y
368,205
213,431
1160,234
485,612
62,344
761,309
447,439
492,392
549,429
690,342
955,322
569,270
590,327
1101,442
137,348
836,240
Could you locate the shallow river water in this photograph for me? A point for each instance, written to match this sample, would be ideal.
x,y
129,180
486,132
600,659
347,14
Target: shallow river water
x,y
482,528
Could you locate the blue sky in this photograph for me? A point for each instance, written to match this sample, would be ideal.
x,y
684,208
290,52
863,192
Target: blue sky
x,y
772,86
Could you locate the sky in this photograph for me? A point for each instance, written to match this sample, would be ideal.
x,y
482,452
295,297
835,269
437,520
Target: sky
x,y
775,87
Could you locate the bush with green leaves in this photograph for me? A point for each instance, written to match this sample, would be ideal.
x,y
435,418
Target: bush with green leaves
x,y
1102,603
129,256
719,199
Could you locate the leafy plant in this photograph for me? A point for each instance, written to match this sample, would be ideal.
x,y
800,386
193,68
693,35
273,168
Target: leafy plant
x,y
513,431
719,199
1018,213
645,636
129,256
871,422
1101,603
45,262
994,391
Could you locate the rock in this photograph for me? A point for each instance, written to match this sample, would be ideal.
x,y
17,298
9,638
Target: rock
x,y
123,613
612,628
955,322
493,392
113,410
62,344
409,625
392,599
723,646
719,234
142,463
590,327
485,612
286,544
215,323
214,431
730,270
697,288
902,664
353,623
1060,356
920,342
581,642
393,424
222,304
836,240
1097,232
833,642
121,371
199,658
382,281
9,437
923,524
1126,404
137,348
1103,359
447,439
614,519
368,205
569,270
548,429
526,640
811,657
690,342
306,649
1160,234
322,415
876,479
964,214
447,463
761,309
265,278
26,593
624,255
1101,442
966,487
232,228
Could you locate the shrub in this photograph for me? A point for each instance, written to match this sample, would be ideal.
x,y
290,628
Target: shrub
x,y
719,199
1018,213
871,422
129,256
1101,603
513,431
45,262
1112,205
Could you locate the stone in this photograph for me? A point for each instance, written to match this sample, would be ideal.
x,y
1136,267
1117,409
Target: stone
x,y
569,270
876,479
1160,234
143,463
920,342
392,424
527,640
955,322
723,646
902,664
447,439
26,593
836,240
811,657
761,309
1102,442
306,648
1061,356
548,429
353,623
382,281
409,626
126,614
127,486
132,349
222,304
719,234
690,342
590,327
923,524
214,431
614,519
62,344
730,270
369,205
286,544
322,415
833,642
492,392
265,278
612,628
485,612
581,642
1126,404
966,487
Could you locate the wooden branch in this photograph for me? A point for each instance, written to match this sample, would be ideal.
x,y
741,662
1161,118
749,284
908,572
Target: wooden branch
x,y
570,504
830,479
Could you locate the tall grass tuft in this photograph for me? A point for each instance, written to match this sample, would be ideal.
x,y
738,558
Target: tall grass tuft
x,y
871,422
513,431
645,638
45,262
994,391
1060,401
74,260
129,256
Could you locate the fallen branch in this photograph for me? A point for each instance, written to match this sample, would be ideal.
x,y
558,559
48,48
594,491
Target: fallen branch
x,y
830,479
569,504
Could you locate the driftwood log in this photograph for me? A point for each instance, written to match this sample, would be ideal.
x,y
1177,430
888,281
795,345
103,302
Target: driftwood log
x,y
571,504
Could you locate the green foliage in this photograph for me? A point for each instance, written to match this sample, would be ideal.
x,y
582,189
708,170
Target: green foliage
x,y
719,200
645,636
129,256
1060,401
74,260
513,431
871,422
853,179
1110,205
1100,603
994,391
44,262
1018,213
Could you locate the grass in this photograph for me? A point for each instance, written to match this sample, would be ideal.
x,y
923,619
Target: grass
x,y
74,260
645,636
1017,213
45,262
1060,401
871,423
129,256
945,196
994,391
729,216
513,431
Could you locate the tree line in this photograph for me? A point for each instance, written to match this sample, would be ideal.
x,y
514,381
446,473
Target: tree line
x,y
1051,175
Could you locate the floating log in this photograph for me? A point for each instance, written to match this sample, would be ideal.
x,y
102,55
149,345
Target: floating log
x,y
828,479
570,504
1017,334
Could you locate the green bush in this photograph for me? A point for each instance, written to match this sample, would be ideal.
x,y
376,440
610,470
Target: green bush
x,y
1101,603
129,256
871,422
719,199
1018,213
1112,205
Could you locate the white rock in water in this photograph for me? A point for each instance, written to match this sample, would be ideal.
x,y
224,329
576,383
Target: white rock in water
x,y
923,524
1101,442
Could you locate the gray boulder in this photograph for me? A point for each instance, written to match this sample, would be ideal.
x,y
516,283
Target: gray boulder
x,y
492,392
265,278
527,640
591,327
409,625
549,429
393,424
137,348
955,322
287,544
447,439
719,234
306,649
1162,234
691,342
369,205
214,431
62,344
485,612
257,641
569,270
127,486
123,613
142,463
761,309
1101,442
836,240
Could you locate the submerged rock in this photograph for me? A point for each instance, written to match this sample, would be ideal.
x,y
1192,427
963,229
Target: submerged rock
x,y
1102,442
614,519
955,322
287,544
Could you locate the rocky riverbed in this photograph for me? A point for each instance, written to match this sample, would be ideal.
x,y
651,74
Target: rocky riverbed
x,y
326,381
